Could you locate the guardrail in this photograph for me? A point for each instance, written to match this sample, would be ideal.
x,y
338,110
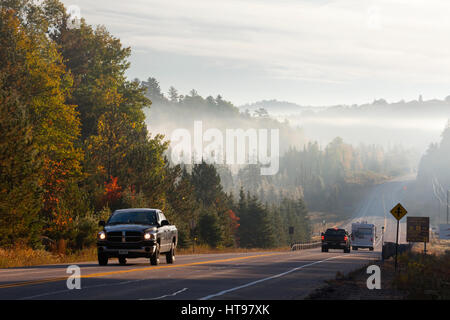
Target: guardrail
x,y
306,245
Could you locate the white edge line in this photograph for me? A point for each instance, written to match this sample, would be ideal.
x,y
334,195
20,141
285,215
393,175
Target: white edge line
x,y
167,295
265,279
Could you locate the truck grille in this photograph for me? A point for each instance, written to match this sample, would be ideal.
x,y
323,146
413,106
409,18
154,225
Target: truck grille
x,y
124,246
129,236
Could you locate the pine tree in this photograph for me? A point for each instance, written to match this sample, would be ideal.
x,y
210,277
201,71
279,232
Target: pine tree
x,y
210,230
173,94
207,185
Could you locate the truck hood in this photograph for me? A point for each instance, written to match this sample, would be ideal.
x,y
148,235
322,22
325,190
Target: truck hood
x,y
129,227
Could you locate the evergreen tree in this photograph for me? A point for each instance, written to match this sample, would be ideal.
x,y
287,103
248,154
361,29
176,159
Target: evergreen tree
x,y
207,185
209,228
173,94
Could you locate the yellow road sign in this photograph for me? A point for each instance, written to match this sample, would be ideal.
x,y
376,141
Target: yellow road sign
x,y
398,211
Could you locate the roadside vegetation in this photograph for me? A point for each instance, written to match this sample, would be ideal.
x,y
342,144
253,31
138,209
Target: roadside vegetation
x,y
24,256
425,276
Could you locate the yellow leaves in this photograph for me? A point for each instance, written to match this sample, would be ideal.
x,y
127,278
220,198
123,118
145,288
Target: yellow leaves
x,y
101,169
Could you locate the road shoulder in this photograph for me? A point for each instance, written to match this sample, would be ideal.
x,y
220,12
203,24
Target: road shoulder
x,y
353,286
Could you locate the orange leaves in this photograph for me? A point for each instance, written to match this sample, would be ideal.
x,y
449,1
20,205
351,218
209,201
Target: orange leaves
x,y
53,183
234,220
113,192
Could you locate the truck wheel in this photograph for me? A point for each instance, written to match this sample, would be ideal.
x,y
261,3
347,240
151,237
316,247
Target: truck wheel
x,y
347,250
170,256
122,261
102,259
324,249
154,258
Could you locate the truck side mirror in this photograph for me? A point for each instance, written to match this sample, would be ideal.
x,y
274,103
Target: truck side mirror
x,y
101,223
164,223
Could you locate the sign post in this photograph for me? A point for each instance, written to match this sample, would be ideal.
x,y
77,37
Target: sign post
x,y
398,212
291,234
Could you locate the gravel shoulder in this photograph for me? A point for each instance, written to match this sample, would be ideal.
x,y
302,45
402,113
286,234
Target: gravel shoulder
x,y
353,286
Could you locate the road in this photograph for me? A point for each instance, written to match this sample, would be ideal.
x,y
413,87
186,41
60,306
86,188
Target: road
x,y
266,275
375,208
258,276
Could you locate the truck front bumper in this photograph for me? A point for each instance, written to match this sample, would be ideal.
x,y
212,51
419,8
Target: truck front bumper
x,y
136,250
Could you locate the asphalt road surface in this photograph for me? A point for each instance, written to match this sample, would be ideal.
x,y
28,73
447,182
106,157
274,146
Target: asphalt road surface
x,y
265,275
247,276
375,208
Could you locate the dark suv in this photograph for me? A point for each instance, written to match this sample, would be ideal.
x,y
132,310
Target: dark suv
x,y
135,233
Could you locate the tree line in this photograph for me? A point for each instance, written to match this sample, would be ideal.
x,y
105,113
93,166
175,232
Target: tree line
x,y
330,178
428,194
74,145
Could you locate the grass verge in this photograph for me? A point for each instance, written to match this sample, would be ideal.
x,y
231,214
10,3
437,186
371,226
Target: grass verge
x,y
424,276
20,256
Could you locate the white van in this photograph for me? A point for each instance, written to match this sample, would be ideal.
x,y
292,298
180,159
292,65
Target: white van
x,y
363,236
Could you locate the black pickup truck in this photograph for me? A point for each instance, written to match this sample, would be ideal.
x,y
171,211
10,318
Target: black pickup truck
x,y
335,238
135,233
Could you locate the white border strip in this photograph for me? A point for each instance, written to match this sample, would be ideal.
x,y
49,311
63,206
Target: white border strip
x,y
265,279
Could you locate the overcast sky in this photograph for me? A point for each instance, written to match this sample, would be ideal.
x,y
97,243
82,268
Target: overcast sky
x,y
311,52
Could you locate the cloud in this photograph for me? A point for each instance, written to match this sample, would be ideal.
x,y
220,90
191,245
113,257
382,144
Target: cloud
x,y
318,41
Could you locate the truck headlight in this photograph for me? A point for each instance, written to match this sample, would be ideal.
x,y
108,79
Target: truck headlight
x,y
149,236
101,235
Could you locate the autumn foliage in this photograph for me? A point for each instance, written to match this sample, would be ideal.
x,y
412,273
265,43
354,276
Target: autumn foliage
x,y
113,193
74,145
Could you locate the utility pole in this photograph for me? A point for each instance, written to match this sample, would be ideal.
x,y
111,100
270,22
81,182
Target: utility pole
x,y
382,243
447,204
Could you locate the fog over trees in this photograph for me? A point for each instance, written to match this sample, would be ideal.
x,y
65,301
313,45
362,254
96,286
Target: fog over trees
x,y
328,177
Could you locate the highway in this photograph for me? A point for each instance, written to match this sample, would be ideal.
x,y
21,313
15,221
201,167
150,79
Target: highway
x,y
265,275
375,208
277,275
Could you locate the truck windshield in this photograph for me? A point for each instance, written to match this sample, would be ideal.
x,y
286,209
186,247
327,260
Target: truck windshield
x,y
133,217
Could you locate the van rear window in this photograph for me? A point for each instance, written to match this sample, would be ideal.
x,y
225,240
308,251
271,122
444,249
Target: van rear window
x,y
365,230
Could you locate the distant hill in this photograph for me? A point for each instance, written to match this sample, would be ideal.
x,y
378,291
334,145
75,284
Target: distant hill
x,y
275,107
413,123
379,107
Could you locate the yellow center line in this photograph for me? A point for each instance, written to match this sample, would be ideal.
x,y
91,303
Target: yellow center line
x,y
102,274
31,282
